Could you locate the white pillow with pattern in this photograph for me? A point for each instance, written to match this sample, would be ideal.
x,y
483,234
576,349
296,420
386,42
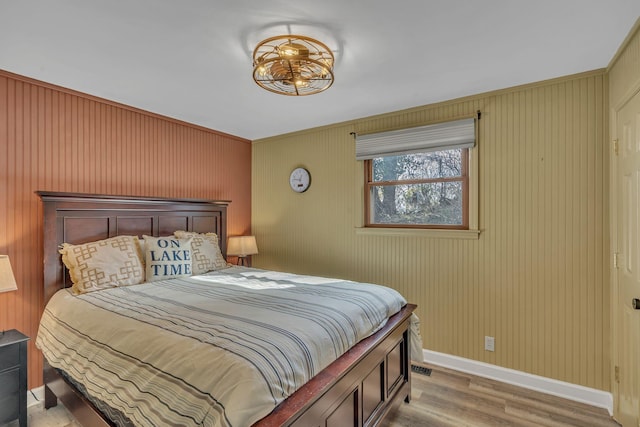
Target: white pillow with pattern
x,y
206,252
103,264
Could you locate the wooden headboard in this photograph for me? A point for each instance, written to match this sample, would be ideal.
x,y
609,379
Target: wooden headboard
x,y
79,218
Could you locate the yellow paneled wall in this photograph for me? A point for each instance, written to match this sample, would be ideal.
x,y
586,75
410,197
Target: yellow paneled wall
x,y
536,278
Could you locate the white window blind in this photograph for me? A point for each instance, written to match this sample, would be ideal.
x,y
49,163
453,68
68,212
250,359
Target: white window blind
x,y
436,137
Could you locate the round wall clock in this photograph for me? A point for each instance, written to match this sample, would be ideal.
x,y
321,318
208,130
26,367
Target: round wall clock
x,y
299,180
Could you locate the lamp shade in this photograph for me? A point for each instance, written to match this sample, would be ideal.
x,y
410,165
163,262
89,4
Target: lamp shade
x,y
7,280
242,246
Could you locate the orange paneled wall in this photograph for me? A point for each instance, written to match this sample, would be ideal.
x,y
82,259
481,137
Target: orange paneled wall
x,y
56,139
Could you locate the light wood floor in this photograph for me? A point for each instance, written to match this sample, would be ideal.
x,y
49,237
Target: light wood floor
x,y
54,417
454,399
449,399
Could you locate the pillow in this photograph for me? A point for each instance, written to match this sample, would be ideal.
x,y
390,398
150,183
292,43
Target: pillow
x,y
142,248
103,264
206,251
167,257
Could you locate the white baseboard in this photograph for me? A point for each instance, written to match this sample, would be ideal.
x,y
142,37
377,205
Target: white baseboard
x,y
35,396
578,393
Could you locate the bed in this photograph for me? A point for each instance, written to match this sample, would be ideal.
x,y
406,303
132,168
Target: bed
x,y
357,389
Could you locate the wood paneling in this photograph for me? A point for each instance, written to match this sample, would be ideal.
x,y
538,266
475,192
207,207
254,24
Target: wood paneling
x,y
536,279
55,139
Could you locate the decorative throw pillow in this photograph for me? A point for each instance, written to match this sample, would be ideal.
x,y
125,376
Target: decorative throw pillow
x,y
142,248
103,264
167,257
206,251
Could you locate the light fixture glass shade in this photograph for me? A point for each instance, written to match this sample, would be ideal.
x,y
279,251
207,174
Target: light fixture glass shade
x,y
293,65
7,280
242,246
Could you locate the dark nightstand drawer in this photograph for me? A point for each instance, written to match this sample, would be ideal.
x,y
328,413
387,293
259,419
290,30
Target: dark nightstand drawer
x,y
9,382
9,357
9,407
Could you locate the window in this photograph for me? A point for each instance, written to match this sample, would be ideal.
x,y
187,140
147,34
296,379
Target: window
x,y
427,190
420,177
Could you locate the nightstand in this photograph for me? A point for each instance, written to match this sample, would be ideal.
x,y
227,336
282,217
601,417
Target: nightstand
x,y
13,377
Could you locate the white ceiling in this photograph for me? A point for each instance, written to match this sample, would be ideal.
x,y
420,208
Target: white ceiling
x,y
191,59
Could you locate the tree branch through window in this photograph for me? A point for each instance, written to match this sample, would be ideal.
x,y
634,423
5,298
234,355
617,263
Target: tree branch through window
x,y
419,190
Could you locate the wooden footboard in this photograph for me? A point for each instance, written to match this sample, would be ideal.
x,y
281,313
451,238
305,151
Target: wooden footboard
x,y
359,388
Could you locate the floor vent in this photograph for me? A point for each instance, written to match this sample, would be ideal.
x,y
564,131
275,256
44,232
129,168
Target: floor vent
x,y
421,370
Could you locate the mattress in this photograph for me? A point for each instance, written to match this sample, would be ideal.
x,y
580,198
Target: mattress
x,y
221,349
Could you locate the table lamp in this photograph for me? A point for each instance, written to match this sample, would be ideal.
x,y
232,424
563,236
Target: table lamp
x,y
7,280
242,247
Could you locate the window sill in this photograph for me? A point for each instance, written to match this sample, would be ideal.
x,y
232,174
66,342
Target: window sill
x,y
419,232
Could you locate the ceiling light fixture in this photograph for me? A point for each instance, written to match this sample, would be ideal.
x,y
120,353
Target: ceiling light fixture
x,y
293,65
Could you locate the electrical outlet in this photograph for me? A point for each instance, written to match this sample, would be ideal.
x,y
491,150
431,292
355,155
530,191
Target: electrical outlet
x,y
490,343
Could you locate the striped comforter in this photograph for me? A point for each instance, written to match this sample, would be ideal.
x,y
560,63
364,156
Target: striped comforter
x,y
222,349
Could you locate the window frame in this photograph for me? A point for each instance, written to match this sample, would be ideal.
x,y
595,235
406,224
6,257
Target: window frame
x,y
463,178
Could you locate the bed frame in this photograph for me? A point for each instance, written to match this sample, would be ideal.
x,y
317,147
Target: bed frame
x,y
358,389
